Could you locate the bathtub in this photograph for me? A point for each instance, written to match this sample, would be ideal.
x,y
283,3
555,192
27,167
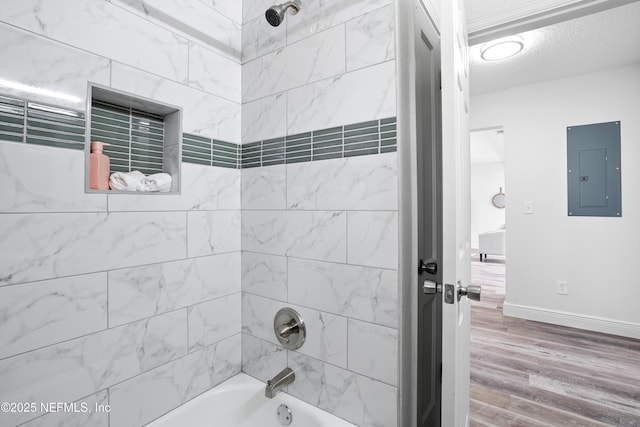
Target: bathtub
x,y
240,402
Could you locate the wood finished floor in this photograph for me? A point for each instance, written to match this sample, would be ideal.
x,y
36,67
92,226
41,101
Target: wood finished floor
x,y
533,374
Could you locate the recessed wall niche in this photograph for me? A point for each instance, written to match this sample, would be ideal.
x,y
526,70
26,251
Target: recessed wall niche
x,y
144,134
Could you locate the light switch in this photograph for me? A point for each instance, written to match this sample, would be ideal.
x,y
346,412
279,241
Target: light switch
x,y
528,207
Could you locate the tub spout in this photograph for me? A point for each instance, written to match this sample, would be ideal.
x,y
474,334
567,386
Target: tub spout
x,y
283,379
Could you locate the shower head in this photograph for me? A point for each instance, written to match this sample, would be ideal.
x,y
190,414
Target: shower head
x,y
275,14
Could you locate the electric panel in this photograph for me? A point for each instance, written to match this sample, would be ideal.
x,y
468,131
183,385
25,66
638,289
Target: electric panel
x,y
594,170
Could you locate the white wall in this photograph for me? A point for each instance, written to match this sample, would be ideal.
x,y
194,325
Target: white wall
x,y
596,255
486,180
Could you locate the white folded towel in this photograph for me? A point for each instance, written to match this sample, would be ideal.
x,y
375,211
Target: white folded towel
x,y
156,182
125,181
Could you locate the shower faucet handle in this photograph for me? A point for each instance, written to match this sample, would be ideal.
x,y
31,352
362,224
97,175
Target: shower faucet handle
x,y
289,328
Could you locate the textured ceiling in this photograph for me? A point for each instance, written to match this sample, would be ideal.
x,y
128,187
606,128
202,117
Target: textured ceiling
x,y
594,42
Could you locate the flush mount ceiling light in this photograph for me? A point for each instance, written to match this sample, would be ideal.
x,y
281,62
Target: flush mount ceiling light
x,y
503,48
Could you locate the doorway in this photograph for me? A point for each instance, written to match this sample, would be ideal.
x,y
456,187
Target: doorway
x,y
488,195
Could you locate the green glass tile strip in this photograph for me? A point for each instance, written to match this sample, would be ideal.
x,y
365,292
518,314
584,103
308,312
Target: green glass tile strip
x,y
273,152
327,143
298,148
223,145
12,105
388,135
197,161
147,142
211,152
327,156
223,164
363,152
348,142
362,125
54,126
225,154
196,149
362,139
357,139
112,124
251,155
12,119
136,137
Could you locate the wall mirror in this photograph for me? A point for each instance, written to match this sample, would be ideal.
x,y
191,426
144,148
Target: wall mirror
x,y
499,199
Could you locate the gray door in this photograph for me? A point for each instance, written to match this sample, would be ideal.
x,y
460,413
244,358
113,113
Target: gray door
x,y
429,155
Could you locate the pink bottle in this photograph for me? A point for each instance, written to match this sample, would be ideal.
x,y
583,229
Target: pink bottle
x,y
98,167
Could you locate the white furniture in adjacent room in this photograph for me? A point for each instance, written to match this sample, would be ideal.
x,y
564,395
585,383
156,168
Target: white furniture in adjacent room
x,y
491,243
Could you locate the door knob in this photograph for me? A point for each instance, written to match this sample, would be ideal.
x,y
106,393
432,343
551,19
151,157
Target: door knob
x,y
430,267
431,287
472,291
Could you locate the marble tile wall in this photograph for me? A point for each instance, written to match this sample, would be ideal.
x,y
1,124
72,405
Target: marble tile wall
x,y
321,237
55,50
119,297
331,64
108,294
132,301
144,302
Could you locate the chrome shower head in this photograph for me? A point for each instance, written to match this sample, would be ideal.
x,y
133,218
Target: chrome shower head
x,y
275,14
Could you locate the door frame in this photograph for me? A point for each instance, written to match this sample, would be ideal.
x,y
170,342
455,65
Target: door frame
x,y
455,263
407,204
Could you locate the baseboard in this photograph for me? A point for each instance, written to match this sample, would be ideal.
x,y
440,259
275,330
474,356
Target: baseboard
x,y
573,320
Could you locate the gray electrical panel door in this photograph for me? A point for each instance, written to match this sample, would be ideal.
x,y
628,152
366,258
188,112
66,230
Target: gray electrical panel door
x,y
593,165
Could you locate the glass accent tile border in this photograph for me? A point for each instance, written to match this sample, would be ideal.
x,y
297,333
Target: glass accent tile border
x,y
35,123
209,152
136,137
12,119
359,139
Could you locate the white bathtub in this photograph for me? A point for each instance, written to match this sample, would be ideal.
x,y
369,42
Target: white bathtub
x,y
240,402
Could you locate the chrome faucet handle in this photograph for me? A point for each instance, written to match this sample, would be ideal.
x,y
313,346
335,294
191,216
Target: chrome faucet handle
x,y
289,328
